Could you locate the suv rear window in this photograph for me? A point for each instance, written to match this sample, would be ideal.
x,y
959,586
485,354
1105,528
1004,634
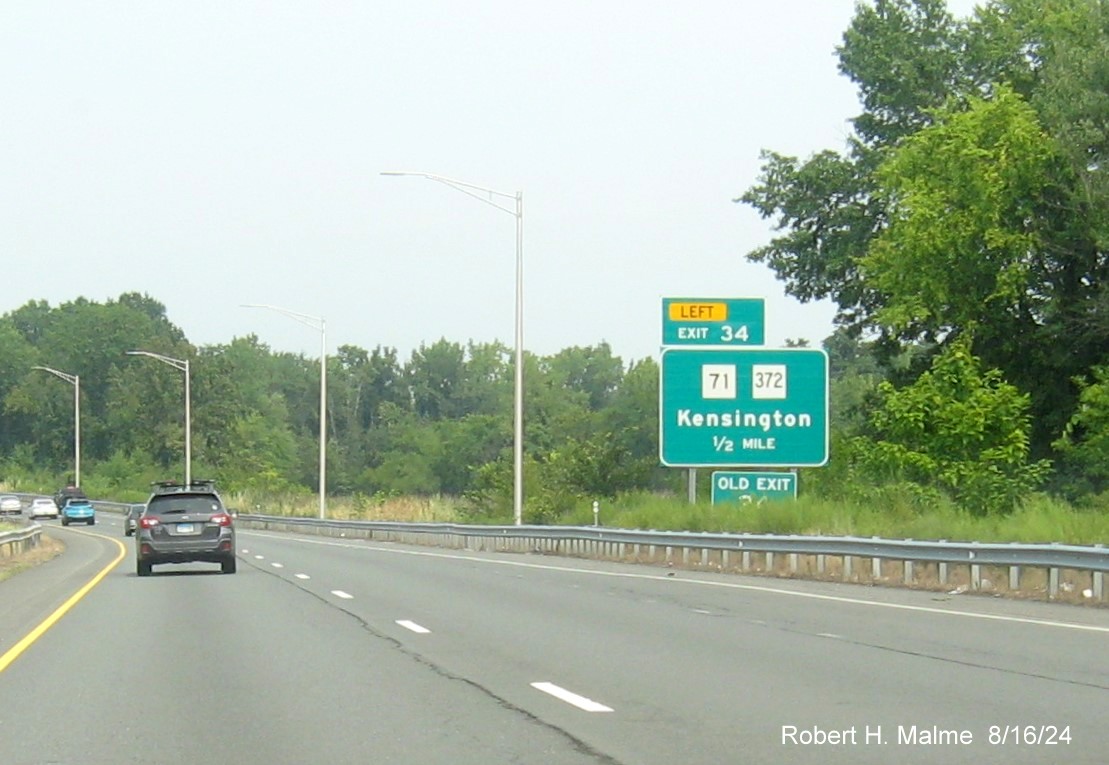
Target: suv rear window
x,y
183,503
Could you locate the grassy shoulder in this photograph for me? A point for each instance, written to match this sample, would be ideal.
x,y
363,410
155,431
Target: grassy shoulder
x,y
1041,519
48,548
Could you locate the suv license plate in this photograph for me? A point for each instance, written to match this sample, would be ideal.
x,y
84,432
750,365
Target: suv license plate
x,y
185,528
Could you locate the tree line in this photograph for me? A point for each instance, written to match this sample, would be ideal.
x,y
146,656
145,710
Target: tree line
x,y
439,422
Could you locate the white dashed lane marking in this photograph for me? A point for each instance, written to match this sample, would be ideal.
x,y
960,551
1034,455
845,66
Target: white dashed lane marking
x,y
278,565
571,698
303,576
341,594
408,625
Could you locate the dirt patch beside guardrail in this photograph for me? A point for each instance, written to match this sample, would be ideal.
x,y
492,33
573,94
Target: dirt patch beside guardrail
x,y
48,548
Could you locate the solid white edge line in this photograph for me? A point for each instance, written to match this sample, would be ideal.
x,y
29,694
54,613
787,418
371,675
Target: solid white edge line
x,y
410,625
341,594
571,698
726,585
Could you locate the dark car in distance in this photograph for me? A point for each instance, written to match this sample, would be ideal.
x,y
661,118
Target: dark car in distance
x,y
68,492
184,523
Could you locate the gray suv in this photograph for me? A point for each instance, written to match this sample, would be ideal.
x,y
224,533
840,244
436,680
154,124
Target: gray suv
x,y
184,523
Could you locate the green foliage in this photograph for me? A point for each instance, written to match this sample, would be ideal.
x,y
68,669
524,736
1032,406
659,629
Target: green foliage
x,y
1084,444
826,212
905,57
490,498
957,429
961,199
120,474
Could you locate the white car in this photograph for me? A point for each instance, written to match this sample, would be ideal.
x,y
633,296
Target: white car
x,y
43,507
10,504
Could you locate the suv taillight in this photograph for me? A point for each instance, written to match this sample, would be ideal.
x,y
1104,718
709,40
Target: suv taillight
x,y
148,523
220,519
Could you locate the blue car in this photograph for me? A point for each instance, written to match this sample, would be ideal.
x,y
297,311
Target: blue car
x,y
78,511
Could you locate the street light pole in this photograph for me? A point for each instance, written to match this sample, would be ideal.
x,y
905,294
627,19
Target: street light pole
x,y
315,322
182,365
517,211
75,381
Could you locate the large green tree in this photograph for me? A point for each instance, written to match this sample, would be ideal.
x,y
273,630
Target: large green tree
x,y
971,197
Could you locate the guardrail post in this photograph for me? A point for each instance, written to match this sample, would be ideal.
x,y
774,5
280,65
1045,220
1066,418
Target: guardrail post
x,y
1014,578
908,576
746,566
943,572
820,564
1052,582
876,569
975,576
847,566
1099,581
793,563
724,559
770,562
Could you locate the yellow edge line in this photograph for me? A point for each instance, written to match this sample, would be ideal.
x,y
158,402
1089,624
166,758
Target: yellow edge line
x,y
17,649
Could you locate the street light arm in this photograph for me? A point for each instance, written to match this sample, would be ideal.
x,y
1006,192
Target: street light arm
x,y
315,322
469,189
71,379
176,363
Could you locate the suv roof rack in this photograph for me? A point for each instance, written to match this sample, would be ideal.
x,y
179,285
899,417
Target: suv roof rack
x,y
170,487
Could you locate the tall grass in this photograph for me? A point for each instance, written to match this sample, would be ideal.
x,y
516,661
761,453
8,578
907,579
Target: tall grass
x,y
1040,519
357,507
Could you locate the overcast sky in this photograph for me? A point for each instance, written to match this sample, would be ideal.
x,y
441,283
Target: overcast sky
x,y
214,153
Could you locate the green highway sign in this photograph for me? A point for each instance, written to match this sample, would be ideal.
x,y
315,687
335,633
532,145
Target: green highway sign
x,y
730,486
745,407
713,321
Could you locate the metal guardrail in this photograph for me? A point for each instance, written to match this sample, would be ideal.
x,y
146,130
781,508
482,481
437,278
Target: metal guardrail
x,y
1036,556
740,551
20,541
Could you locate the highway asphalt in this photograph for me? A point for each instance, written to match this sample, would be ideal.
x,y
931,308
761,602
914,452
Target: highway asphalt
x,y
336,651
